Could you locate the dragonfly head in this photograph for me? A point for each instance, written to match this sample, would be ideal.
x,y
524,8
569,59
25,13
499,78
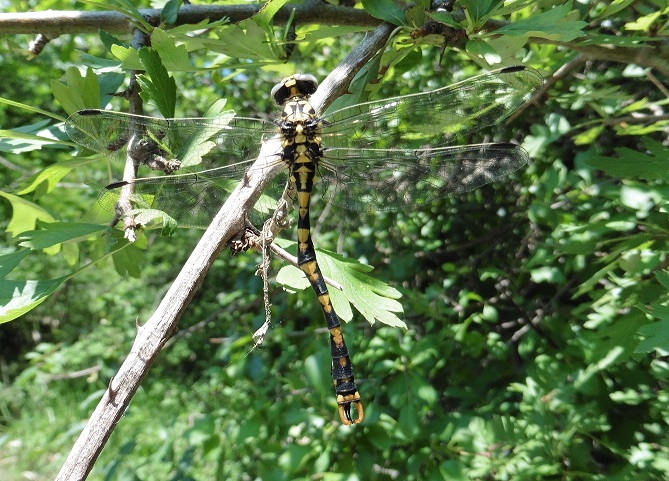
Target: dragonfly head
x,y
298,85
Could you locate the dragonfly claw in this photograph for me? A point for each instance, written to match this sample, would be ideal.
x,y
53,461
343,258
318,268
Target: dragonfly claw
x,y
345,410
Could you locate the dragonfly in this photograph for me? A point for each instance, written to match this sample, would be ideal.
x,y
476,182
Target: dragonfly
x,y
396,153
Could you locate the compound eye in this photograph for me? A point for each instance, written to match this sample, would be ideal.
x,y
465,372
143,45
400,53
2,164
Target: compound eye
x,y
280,92
306,84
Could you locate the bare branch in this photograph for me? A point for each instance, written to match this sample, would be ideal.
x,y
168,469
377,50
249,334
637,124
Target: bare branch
x,y
655,58
136,107
55,23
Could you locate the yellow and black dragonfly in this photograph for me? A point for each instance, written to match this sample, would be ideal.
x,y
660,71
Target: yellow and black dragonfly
x,y
380,155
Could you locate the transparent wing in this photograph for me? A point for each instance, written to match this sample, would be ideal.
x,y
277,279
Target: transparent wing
x,y
395,179
193,199
203,158
433,118
192,143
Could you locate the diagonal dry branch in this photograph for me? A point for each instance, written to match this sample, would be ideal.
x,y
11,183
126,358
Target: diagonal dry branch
x,y
159,328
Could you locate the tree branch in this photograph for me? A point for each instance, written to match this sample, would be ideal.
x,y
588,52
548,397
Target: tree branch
x,y
55,23
162,324
654,57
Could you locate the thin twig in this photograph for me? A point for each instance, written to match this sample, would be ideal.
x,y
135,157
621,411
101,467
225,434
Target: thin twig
x,y
135,107
655,81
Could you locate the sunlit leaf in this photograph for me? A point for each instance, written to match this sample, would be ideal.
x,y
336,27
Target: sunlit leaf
x,y
265,15
51,175
157,85
375,300
174,57
79,92
245,40
25,214
553,24
19,297
56,232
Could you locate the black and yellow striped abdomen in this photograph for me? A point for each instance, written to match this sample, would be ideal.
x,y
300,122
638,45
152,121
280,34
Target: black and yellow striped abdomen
x,y
302,150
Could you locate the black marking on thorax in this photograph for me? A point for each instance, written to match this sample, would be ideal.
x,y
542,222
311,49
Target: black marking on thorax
x,y
300,129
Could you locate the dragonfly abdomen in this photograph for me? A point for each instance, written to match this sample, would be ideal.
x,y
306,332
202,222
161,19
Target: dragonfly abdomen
x,y
342,369
302,150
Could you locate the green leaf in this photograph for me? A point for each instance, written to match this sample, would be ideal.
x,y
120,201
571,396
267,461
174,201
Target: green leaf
x,y
198,144
619,334
174,57
548,274
53,174
314,372
30,108
78,92
128,260
480,10
374,299
633,41
25,214
663,278
168,14
19,297
358,89
589,136
57,232
610,261
9,261
635,164
28,138
657,337
454,470
156,83
554,24
385,10
146,216
108,40
243,40
292,279
266,13
615,7
128,56
445,18
505,46
645,22
408,419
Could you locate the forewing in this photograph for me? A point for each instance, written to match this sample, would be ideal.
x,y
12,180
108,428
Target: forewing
x,y
379,179
195,143
211,156
432,118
